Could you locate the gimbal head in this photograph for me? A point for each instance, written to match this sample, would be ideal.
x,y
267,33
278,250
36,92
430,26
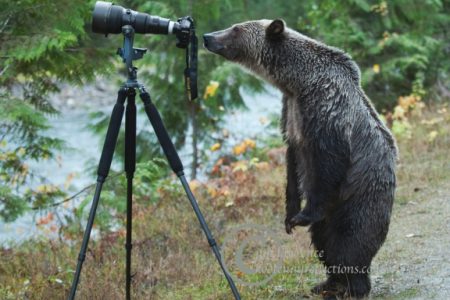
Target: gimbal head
x,y
128,54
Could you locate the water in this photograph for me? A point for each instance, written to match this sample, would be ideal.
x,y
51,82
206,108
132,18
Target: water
x,y
85,147
82,146
250,123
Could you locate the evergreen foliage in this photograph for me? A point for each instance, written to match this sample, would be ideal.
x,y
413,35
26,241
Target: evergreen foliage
x,y
401,46
39,46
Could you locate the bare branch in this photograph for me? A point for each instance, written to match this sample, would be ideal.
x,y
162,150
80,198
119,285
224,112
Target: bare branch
x,y
5,23
74,195
4,70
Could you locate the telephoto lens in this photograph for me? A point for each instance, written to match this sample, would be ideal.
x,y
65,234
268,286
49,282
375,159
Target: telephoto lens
x,y
109,18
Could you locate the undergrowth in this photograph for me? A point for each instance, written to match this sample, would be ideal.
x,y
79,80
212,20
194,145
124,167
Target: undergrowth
x,y
171,258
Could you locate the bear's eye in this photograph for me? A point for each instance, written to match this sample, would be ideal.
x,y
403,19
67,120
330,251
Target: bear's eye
x,y
236,29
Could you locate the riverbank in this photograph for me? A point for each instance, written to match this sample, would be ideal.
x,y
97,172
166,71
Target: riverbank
x,y
72,170
171,259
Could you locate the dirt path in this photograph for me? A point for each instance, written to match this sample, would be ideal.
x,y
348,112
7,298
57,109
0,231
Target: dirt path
x,y
414,263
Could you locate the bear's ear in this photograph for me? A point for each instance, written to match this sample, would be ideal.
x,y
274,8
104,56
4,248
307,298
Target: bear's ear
x,y
275,29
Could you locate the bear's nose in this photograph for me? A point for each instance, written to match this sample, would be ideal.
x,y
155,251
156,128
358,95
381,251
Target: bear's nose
x,y
207,37
211,43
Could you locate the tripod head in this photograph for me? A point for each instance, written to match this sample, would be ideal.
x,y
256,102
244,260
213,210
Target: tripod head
x,y
128,54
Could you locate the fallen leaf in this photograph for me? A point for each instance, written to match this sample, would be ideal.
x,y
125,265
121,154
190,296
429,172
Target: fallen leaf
x,y
211,89
239,149
215,147
229,203
432,136
376,68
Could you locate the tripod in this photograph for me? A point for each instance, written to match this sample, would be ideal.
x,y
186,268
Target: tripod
x,y
127,93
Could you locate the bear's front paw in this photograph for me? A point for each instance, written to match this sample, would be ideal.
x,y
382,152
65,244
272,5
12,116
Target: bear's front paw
x,y
305,219
288,226
300,219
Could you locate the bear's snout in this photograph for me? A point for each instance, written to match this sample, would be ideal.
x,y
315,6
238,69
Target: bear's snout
x,y
222,43
211,43
206,39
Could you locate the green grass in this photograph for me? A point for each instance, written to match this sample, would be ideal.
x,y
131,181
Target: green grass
x,y
171,258
406,294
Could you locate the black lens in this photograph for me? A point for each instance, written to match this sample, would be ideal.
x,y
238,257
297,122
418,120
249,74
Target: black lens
x,y
145,23
100,17
109,18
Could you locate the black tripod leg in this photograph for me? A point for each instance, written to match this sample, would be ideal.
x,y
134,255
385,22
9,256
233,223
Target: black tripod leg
x,y
177,167
130,167
103,170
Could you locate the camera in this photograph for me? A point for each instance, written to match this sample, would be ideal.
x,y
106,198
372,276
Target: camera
x,y
109,18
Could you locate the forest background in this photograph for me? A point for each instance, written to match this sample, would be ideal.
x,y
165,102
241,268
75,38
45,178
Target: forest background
x,y
402,48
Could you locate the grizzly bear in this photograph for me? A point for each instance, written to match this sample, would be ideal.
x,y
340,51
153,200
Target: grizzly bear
x,y
340,156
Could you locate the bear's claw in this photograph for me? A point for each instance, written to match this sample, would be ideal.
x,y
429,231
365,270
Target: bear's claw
x,y
288,226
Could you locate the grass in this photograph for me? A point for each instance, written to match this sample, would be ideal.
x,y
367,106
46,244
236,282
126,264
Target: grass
x,y
171,258
407,294
424,163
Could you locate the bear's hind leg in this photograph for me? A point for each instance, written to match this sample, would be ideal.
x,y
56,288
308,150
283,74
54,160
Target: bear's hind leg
x,y
348,266
331,287
354,286
358,286
347,243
